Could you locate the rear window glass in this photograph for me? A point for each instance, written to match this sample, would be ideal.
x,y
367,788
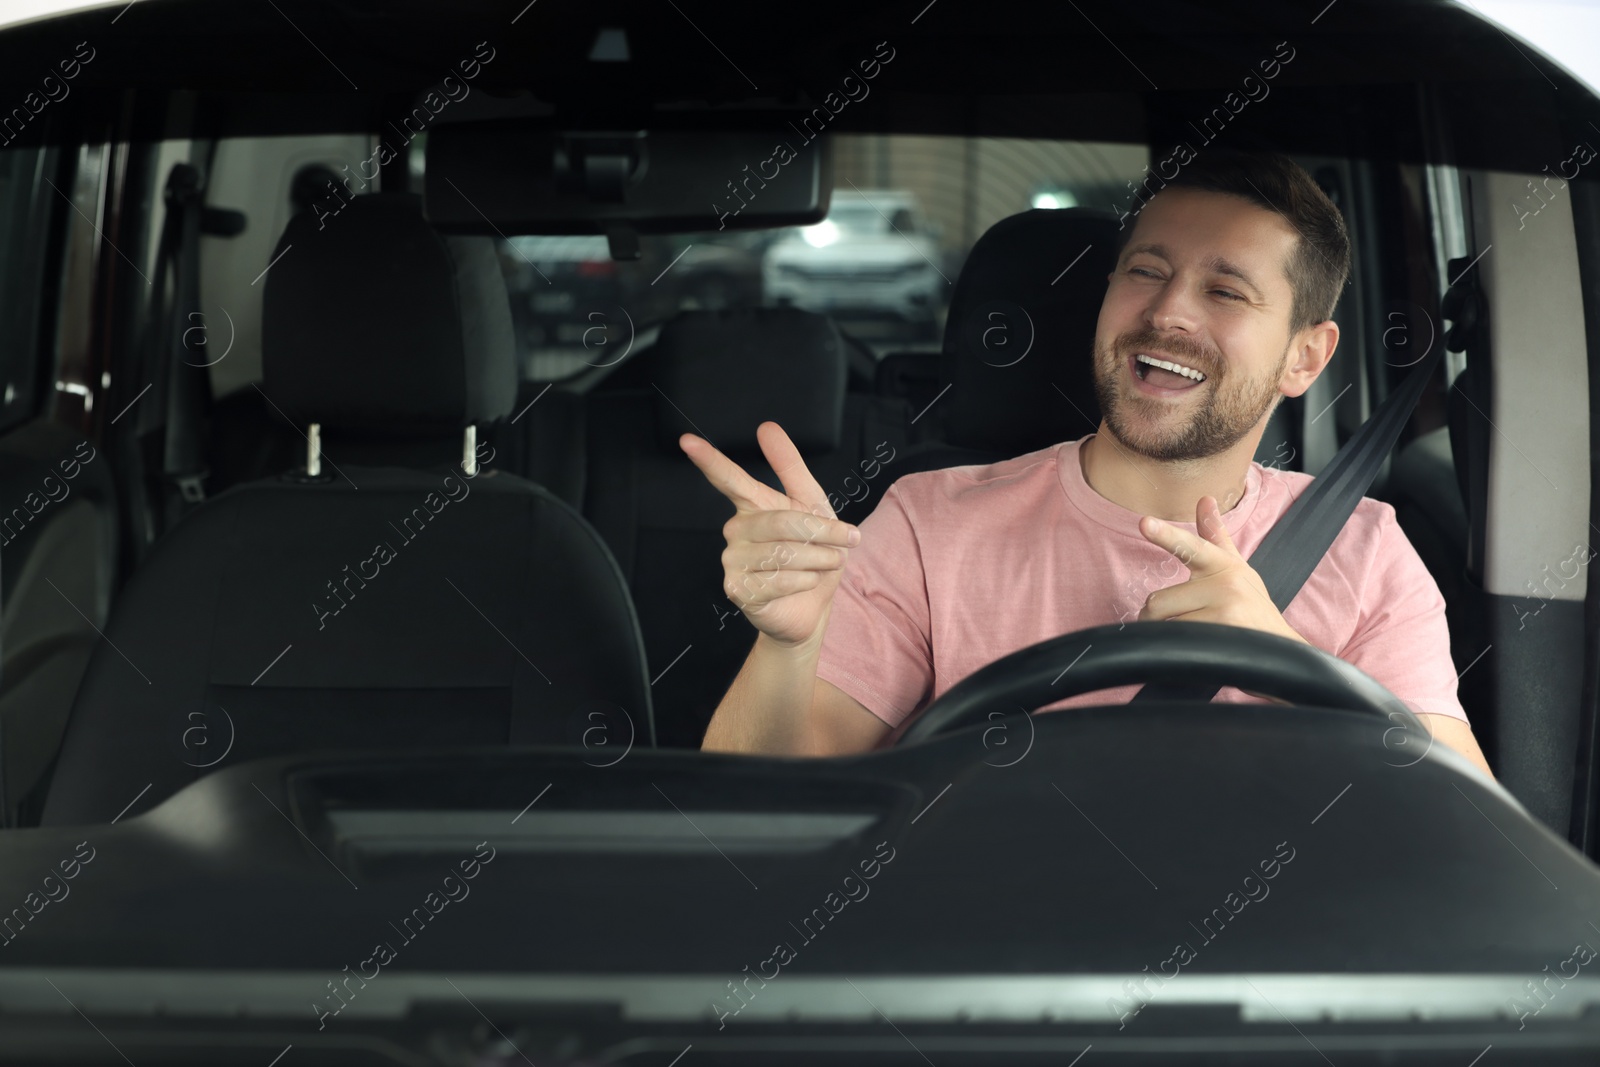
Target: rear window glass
x,y
905,212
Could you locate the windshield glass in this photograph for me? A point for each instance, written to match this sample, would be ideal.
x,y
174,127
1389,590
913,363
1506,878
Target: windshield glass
x,y
614,534
905,212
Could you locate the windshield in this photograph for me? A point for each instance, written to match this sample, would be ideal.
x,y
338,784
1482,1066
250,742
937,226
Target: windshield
x,y
654,534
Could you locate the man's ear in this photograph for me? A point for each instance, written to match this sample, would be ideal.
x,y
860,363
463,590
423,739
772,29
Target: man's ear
x,y
1309,353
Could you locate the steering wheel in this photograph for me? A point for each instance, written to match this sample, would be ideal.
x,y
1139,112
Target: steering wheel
x,y
1166,652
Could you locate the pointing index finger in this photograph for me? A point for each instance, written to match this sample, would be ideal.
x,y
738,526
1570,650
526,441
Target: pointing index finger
x,y
1209,522
728,478
791,469
1192,551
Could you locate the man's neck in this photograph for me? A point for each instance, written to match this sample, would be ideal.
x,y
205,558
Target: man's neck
x,y
1167,489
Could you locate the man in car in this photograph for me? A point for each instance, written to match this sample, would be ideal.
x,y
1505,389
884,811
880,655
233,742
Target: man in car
x,y
1218,306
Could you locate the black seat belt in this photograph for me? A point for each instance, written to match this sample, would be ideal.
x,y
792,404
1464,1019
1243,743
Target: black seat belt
x,y
1295,545
188,398
149,445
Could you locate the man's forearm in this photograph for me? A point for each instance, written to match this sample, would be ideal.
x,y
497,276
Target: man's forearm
x,y
1451,731
767,710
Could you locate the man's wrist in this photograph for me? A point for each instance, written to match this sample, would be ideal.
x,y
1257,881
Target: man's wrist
x,y
810,648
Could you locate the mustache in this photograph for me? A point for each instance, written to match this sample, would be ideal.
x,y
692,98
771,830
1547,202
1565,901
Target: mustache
x,y
1178,349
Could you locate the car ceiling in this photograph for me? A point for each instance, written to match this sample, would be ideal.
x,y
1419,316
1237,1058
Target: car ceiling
x,y
1076,71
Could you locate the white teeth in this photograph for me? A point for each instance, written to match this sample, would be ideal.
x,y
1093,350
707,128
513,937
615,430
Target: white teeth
x,y
1175,368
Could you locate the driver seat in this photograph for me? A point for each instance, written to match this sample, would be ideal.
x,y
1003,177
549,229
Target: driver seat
x,y
1019,340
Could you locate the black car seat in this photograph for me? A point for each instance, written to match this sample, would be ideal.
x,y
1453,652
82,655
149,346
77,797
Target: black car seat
x,y
1016,364
1016,369
368,606
720,374
1439,487
58,529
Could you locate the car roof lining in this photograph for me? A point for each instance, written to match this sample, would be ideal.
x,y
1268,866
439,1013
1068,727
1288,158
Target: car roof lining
x,y
1039,72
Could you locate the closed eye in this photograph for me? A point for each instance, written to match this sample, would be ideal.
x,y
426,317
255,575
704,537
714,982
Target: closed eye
x,y
1146,272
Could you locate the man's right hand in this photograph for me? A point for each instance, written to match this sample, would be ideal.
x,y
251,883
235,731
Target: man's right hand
x,y
786,551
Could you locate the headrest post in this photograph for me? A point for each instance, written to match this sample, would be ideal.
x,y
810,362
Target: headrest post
x,y
469,452
314,450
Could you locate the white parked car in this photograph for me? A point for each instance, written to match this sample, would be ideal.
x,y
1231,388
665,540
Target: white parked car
x,y
873,256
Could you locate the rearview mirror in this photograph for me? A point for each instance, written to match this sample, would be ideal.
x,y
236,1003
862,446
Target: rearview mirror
x,y
508,178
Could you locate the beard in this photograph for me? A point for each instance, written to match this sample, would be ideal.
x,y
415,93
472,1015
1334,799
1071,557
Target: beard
x,y
1230,407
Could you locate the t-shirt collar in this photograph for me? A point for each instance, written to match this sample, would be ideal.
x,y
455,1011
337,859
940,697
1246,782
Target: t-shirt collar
x,y
1118,519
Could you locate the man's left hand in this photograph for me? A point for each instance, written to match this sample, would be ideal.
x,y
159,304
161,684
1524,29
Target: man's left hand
x,y
1222,586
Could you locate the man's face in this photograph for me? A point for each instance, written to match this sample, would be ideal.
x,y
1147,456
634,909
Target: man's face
x,y
1201,283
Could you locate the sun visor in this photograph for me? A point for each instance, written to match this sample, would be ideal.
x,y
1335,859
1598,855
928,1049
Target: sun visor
x,y
507,177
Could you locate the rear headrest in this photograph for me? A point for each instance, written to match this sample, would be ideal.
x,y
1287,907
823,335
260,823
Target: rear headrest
x,y
720,374
1019,342
374,322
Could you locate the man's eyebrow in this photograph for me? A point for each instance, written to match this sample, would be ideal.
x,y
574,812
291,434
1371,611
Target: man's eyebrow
x,y
1216,264
1223,266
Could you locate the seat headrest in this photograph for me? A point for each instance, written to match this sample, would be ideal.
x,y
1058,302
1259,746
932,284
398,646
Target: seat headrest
x,y
1019,341
374,322
720,374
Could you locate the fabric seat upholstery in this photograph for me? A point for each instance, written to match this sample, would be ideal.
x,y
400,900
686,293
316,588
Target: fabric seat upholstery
x,y
1017,355
376,606
720,374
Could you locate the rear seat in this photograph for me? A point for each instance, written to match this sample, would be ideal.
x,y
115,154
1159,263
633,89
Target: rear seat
x,y
544,439
720,374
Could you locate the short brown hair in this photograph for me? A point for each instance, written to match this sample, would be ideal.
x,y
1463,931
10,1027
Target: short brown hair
x,y
1320,263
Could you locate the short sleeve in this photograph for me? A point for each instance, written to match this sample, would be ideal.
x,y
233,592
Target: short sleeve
x,y
1402,638
878,647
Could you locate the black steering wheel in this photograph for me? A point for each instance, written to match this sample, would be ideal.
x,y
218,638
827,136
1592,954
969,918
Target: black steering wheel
x,y
1163,652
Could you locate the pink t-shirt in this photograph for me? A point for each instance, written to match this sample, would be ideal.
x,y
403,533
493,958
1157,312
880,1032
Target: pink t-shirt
x,y
957,568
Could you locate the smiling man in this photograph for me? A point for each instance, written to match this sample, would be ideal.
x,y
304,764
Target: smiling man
x,y
1219,306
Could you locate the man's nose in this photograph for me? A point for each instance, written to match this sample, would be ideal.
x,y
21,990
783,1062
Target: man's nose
x,y
1174,307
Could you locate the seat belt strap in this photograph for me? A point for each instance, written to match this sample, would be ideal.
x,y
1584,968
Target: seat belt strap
x,y
1300,539
183,452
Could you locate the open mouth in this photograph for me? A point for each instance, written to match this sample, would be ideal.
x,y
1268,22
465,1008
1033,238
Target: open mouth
x,y
1163,375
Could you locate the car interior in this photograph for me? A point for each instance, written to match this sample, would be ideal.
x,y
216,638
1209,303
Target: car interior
x,y
349,349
